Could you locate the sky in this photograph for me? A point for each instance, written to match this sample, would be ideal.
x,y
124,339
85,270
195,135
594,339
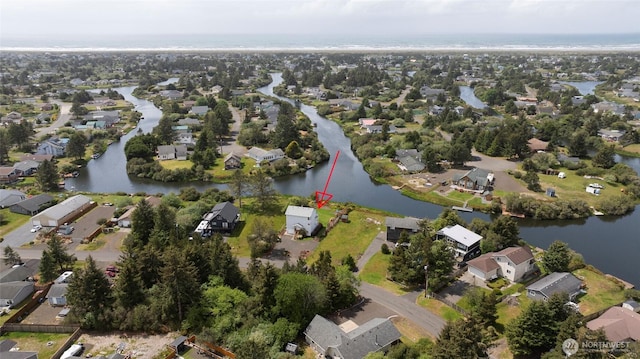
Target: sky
x,y
42,18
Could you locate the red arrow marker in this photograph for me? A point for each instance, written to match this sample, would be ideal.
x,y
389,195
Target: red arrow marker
x,y
323,197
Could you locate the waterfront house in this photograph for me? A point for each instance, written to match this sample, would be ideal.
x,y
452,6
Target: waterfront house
x,y
301,220
397,226
261,155
8,175
611,135
110,118
232,161
464,242
124,221
53,146
477,179
410,160
619,324
172,152
331,341
511,263
171,94
556,282
380,129
26,168
223,217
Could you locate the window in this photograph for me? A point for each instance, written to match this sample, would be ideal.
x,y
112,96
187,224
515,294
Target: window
x,y
508,271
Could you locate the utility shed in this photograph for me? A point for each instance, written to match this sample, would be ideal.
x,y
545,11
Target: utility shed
x,y
62,212
301,219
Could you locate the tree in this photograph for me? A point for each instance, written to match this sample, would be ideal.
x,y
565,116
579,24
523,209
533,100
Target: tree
x,y
142,222
299,297
89,295
76,146
483,306
604,158
4,146
460,339
11,257
179,282
293,150
533,331
532,180
164,130
223,263
129,288
557,257
47,268
578,144
47,176
262,238
441,261
59,254
262,189
459,154
285,131
240,185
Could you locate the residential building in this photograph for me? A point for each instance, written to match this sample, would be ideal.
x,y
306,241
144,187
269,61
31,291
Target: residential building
x,y
11,117
54,146
199,110
8,350
380,129
410,160
397,226
536,145
330,341
63,212
13,293
9,197
110,118
33,205
17,274
188,122
124,221
631,305
171,94
619,324
555,282
511,263
57,295
223,217
261,155
464,242
301,220
477,179
611,135
8,175
232,161
26,168
430,93
172,152
185,138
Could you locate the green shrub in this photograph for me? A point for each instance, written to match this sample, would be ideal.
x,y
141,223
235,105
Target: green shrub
x,y
385,249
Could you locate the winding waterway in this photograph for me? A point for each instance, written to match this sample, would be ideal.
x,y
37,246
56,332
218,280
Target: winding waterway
x,y
612,244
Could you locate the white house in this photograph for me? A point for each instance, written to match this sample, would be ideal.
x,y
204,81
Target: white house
x,y
301,219
261,155
465,242
511,263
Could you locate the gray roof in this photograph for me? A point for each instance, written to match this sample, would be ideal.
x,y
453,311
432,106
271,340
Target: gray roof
x,y
34,203
298,211
7,344
58,290
226,210
411,164
65,207
188,121
356,344
19,355
402,223
477,175
11,289
26,165
9,197
557,282
15,274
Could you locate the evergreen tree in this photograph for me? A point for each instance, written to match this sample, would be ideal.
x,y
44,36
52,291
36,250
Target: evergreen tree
x,y
129,288
239,185
286,130
58,253
11,257
179,282
76,147
533,331
262,189
299,297
557,257
164,130
47,268
47,176
89,295
604,158
223,263
142,222
460,339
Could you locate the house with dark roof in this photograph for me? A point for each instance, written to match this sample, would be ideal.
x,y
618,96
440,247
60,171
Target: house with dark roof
x,y
26,168
8,351
632,305
13,293
232,161
330,341
31,206
223,217
465,243
477,179
110,118
397,226
17,274
410,160
555,282
512,263
9,197
53,146
619,324
199,110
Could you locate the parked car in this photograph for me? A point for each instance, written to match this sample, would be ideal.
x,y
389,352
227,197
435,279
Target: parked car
x,y
36,228
112,268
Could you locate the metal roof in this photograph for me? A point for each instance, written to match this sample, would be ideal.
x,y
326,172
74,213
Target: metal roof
x,y
460,234
65,207
298,211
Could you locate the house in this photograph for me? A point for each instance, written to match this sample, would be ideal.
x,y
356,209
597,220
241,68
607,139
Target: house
x,y
619,324
367,122
188,122
9,197
124,221
536,145
223,217
380,129
171,94
54,146
26,168
465,242
8,175
556,282
330,341
57,295
512,263
261,155
477,179
397,226
17,274
186,138
611,135
63,212
410,160
232,161
301,220
430,93
199,110
172,152
110,118
564,159
9,351
11,117
33,205
13,293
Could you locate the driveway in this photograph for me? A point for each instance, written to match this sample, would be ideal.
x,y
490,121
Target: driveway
x,y
63,117
19,236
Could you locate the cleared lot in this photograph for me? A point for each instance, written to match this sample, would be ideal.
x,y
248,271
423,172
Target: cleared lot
x,y
88,223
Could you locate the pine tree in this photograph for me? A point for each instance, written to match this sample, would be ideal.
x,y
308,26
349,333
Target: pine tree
x,y
11,257
142,222
47,268
129,286
47,176
460,339
89,295
557,257
58,253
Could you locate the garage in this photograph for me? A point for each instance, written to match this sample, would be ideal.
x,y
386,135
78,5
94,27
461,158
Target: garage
x,y
65,211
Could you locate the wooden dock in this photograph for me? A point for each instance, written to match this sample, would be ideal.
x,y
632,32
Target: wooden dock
x,y
462,209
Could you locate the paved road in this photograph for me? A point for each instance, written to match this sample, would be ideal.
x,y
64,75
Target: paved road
x,y
63,117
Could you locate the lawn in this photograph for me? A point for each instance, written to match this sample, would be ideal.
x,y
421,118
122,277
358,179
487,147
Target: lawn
x,y
11,221
507,312
635,148
46,344
353,237
460,196
238,239
175,164
375,272
410,331
94,245
602,292
573,187
220,175
438,308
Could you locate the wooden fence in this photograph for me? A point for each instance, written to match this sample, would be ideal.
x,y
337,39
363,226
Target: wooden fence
x,y
39,328
67,344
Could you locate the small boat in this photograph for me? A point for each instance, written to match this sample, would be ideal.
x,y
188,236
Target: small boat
x,y
95,156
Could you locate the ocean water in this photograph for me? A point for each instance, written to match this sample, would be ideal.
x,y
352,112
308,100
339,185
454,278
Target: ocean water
x,y
344,42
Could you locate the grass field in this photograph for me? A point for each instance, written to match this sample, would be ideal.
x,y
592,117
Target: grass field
x,y
602,292
220,175
573,187
410,332
94,245
45,344
375,272
11,221
238,239
438,308
175,164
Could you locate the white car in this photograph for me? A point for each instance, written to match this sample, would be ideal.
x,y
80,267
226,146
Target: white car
x,y
596,185
36,228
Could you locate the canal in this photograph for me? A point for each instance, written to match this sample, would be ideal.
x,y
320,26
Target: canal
x,y
611,244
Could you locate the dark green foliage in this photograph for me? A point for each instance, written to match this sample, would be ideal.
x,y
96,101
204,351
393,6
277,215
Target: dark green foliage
x,y
263,237
142,222
460,339
604,158
350,262
286,130
299,297
385,249
89,295
556,258
11,257
47,176
76,146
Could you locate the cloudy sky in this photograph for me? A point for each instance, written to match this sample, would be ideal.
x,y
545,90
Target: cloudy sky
x,y
41,18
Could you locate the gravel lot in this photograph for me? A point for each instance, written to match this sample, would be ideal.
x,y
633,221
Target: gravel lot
x,y
136,345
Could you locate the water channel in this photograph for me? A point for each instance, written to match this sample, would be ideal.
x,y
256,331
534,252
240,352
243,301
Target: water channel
x,y
612,244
